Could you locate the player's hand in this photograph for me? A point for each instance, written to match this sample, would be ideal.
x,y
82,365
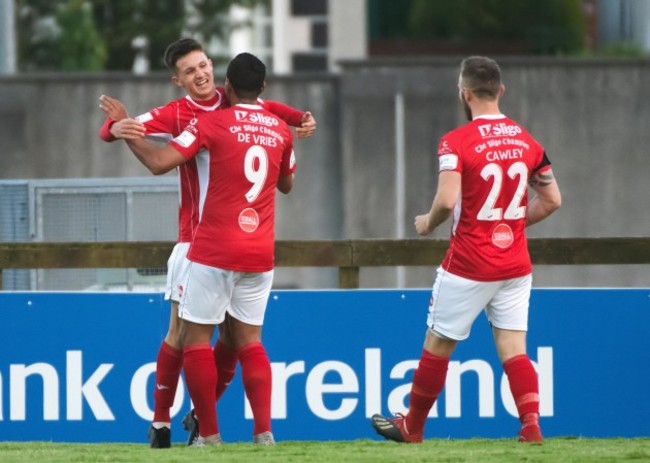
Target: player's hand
x,y
113,108
422,225
128,129
307,126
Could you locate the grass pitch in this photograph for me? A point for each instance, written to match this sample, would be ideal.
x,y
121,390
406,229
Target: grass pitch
x,y
553,450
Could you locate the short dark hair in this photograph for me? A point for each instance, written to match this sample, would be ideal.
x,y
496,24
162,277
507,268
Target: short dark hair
x,y
482,76
176,50
246,74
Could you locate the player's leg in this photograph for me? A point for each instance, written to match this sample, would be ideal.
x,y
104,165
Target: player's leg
x,y
168,368
202,307
428,380
225,356
201,377
169,360
455,304
508,314
225,359
524,385
246,319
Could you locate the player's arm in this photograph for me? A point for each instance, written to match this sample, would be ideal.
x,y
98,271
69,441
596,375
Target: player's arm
x,y
118,124
547,197
304,121
287,167
158,159
449,184
285,183
307,125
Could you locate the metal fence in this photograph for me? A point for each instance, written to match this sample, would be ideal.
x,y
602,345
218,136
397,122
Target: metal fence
x,y
88,210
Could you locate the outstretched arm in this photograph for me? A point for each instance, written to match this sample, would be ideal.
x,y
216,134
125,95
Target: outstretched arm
x,y
118,124
114,108
307,125
159,160
127,129
303,121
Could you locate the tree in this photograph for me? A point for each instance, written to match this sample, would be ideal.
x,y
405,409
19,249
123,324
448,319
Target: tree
x,y
37,31
546,27
121,22
101,34
524,26
80,43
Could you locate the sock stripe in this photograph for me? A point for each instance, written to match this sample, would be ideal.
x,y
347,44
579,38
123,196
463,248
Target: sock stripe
x,y
527,398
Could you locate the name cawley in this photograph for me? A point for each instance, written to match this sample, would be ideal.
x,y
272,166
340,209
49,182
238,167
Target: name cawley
x,y
502,149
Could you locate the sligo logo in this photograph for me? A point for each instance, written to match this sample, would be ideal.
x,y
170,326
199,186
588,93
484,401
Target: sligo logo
x,y
498,130
255,118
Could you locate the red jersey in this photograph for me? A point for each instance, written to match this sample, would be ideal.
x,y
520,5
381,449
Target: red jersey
x,y
167,122
250,149
495,157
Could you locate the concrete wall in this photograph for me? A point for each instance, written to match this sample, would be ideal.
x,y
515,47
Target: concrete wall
x,y
49,125
592,117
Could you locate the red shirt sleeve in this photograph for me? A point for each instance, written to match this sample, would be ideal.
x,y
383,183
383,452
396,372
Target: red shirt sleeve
x,y
161,122
105,130
448,155
288,114
189,142
288,164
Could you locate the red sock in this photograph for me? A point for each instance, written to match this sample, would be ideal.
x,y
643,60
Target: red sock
x,y
226,360
524,387
256,374
201,378
168,369
428,381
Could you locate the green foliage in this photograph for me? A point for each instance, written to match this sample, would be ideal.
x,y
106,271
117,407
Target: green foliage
x,y
100,34
81,46
624,50
540,27
37,33
122,22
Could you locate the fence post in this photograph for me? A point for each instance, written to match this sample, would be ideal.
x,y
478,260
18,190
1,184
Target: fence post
x,y
349,277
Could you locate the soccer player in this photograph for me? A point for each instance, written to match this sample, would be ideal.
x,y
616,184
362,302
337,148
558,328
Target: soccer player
x,y
191,70
485,167
251,154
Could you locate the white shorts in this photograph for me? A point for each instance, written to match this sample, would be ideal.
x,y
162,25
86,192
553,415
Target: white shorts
x,y
177,269
457,301
210,292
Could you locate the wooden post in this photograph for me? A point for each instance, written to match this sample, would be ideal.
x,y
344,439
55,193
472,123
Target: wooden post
x,y
348,277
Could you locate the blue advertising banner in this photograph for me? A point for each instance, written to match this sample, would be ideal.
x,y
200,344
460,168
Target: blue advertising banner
x,y
79,367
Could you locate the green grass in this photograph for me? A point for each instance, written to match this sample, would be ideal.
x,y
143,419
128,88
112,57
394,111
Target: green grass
x,y
432,450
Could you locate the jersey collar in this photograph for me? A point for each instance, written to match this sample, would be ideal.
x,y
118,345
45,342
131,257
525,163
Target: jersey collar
x,y
211,107
490,116
248,106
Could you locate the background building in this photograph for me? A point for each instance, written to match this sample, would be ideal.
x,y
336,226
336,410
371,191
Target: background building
x,y
296,36
371,167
